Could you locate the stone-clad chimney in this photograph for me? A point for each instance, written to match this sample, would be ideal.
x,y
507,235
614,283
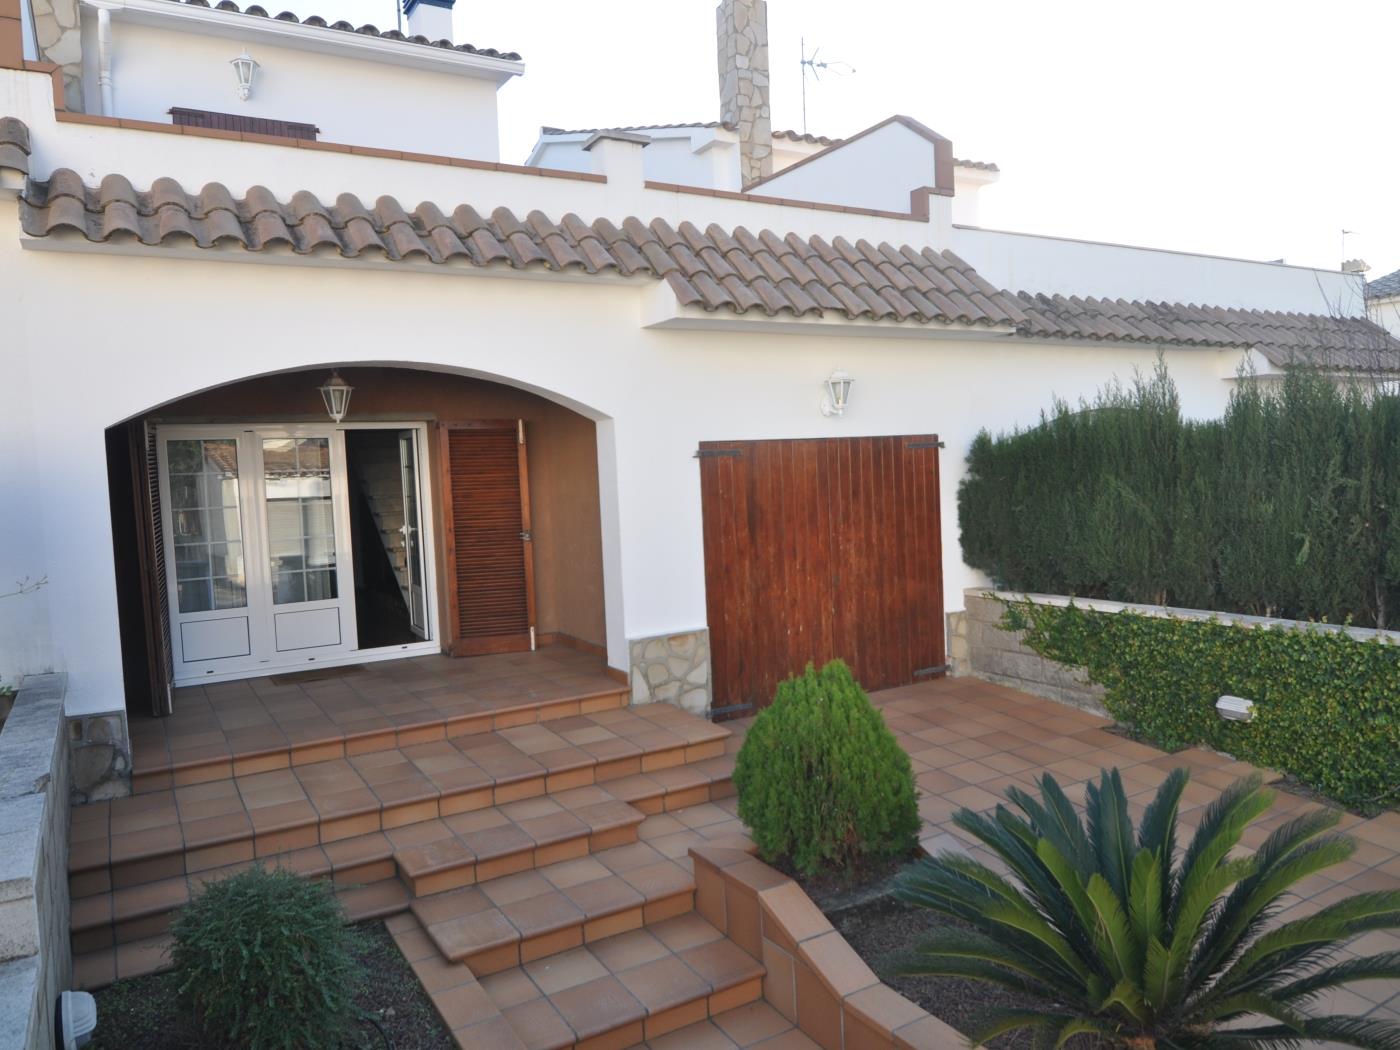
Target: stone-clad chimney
x,y
743,83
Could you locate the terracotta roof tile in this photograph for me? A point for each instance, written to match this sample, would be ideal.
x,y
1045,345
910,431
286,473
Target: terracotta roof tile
x,y
255,11
14,145
715,269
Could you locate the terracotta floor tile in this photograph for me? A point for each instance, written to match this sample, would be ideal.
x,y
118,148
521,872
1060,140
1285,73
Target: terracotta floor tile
x,y
497,842
721,962
538,1025
467,935
604,896
466,1004
703,1035
625,951
512,888
450,905
565,970
510,988
684,931
659,880
664,983
597,1006
752,1023
540,914
572,872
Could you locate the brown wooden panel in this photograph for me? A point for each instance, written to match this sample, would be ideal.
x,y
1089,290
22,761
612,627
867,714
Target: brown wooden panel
x,y
816,549
486,523
204,118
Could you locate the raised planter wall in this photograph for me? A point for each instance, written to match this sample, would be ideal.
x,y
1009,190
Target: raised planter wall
x,y
35,961
814,978
981,647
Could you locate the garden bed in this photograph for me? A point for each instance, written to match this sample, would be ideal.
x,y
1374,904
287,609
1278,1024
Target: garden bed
x,y
144,1012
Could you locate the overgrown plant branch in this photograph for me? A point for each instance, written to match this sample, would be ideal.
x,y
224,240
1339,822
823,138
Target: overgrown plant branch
x,y
25,585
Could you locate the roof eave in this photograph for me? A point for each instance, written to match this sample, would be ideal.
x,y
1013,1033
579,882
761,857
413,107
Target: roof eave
x,y
165,14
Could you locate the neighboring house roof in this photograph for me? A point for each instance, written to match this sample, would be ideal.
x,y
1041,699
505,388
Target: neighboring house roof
x,y
347,27
1384,287
713,269
793,136
1284,339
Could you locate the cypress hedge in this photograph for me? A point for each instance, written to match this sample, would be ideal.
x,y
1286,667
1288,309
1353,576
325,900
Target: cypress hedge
x,y
1287,506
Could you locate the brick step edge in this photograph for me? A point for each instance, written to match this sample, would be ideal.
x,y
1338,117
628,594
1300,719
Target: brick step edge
x,y
507,945
143,911
86,879
162,776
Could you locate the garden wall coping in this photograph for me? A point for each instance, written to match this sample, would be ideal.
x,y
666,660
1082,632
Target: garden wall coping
x,y
814,977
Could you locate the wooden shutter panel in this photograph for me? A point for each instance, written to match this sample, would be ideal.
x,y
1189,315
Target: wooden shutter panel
x,y
490,556
156,597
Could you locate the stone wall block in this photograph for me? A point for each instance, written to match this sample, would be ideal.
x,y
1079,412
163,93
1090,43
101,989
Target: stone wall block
x,y
672,669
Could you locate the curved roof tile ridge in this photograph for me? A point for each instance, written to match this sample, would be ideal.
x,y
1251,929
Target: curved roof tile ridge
x,y
257,11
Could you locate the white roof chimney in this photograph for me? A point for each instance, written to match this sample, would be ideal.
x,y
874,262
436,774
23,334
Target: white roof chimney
x,y
429,18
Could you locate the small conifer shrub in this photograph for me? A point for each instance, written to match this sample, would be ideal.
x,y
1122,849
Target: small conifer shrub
x,y
821,779
264,961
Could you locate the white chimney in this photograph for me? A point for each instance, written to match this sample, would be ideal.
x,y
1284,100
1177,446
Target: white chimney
x,y
429,18
618,155
742,27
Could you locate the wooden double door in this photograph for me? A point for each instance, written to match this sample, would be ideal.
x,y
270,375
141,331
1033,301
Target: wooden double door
x,y
817,549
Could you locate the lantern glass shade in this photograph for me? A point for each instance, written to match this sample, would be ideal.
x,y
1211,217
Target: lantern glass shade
x,y
244,68
336,394
838,393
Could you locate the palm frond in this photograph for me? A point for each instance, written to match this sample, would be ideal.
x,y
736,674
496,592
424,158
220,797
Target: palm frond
x,y
1382,967
1158,828
1364,1032
1111,830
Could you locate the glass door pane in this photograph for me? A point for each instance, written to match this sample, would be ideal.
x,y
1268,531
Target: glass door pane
x,y
300,519
412,533
205,524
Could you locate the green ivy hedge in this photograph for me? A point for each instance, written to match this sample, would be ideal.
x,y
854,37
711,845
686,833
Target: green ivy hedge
x,y
1327,705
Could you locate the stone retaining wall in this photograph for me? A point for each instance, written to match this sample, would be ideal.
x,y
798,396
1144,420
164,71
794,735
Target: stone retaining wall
x,y
982,648
35,961
672,669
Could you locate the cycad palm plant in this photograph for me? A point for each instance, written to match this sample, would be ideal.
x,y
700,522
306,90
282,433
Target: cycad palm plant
x,y
1129,943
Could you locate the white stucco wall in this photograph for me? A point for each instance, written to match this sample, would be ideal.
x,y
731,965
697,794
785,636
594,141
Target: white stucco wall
x,y
1386,313
353,101
877,171
1058,266
97,336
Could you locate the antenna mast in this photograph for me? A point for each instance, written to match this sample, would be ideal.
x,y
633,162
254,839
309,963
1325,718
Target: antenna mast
x,y
810,63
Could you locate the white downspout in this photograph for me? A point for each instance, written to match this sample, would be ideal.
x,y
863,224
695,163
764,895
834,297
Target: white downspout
x,y
104,59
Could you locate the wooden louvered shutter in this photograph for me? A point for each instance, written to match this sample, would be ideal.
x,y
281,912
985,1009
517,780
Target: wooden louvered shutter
x,y
150,537
489,549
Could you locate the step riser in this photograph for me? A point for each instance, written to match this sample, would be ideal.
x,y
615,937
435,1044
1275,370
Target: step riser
x,y
187,775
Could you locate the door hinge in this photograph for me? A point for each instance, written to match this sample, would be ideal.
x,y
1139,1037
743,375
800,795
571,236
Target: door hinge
x,y
526,535
711,453
520,431
532,638
929,672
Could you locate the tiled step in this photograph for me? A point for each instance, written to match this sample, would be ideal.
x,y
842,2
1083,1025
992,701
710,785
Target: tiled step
x,y
161,763
520,918
467,848
755,1024
361,868
607,995
652,752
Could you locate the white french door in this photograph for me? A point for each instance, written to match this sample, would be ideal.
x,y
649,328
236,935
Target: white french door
x,y
257,548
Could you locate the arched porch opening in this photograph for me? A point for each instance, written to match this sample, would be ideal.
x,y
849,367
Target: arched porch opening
x,y
445,515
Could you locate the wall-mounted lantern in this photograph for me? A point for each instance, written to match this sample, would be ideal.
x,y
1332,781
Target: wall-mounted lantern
x,y
838,393
336,394
244,68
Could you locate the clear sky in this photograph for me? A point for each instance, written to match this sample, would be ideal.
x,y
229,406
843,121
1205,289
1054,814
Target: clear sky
x,y
1235,127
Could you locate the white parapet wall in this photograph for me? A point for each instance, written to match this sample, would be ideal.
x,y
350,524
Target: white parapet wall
x,y
35,961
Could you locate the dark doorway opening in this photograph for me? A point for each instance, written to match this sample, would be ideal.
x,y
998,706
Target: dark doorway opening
x,y
383,520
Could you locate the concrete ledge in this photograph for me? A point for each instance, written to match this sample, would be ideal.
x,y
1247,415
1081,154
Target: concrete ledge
x,y
35,960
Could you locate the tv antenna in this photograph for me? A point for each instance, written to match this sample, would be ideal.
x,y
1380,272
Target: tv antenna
x,y
810,64
1345,234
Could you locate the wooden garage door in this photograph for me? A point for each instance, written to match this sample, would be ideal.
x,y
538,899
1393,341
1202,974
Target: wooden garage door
x,y
816,549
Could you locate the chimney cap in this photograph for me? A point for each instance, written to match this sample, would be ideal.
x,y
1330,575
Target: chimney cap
x,y
409,5
1355,266
614,135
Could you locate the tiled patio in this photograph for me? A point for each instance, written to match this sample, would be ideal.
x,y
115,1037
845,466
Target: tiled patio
x,y
257,716
969,740
526,835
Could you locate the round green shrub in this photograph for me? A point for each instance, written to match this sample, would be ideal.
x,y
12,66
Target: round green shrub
x,y
821,779
264,961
